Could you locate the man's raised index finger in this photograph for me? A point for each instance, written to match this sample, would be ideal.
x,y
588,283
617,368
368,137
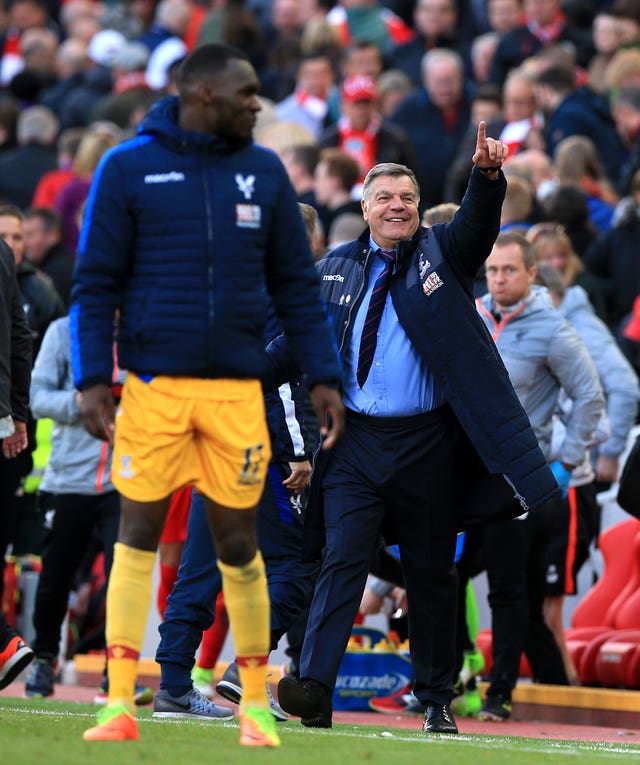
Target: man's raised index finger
x,y
481,140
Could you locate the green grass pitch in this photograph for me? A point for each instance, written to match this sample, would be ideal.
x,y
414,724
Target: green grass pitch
x,y
50,733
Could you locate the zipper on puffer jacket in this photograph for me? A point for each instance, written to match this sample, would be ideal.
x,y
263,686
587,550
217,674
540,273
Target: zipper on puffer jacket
x,y
210,271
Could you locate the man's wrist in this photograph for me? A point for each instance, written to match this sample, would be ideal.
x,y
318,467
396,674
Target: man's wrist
x,y
491,172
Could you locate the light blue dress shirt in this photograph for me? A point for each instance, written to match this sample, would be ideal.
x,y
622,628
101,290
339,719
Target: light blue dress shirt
x,y
399,383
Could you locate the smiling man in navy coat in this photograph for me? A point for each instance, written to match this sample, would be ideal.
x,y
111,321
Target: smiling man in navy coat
x,y
436,438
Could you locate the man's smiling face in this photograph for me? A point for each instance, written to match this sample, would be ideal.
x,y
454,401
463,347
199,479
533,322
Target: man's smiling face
x,y
391,209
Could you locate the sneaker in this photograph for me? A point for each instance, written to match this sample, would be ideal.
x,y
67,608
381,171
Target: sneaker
x,y
467,704
229,685
14,657
203,681
495,709
115,723
142,694
277,711
466,696
230,688
394,704
192,706
41,679
473,665
258,727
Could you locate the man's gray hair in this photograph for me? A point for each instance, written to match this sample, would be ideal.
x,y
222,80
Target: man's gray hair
x,y
440,54
37,124
393,170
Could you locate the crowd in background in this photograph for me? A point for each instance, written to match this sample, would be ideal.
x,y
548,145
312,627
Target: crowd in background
x,y
345,86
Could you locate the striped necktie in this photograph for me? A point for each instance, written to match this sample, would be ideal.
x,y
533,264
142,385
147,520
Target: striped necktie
x,y
374,312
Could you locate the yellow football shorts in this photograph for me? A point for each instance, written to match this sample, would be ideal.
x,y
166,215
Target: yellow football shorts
x,y
177,431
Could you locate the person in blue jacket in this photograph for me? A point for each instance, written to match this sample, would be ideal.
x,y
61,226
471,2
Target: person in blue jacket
x,y
191,606
185,226
436,438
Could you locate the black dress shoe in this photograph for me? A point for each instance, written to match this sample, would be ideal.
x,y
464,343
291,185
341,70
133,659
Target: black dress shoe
x,y
307,699
438,719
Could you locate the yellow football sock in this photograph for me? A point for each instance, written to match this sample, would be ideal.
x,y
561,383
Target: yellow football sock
x,y
128,600
247,601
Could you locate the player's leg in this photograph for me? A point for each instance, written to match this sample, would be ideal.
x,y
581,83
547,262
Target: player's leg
x,y
152,458
234,449
128,600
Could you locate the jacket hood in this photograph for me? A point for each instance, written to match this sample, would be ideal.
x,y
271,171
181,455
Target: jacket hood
x,y
162,121
575,301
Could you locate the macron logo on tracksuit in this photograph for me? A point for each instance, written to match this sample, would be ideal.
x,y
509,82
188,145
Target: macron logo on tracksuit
x,y
172,177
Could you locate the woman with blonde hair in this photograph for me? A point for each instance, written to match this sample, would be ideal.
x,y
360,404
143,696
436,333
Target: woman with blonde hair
x,y
99,138
552,246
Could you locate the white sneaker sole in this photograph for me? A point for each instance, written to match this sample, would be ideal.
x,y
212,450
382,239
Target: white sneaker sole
x,y
189,716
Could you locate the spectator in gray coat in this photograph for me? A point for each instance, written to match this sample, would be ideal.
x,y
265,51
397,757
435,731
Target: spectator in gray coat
x,y
76,496
543,355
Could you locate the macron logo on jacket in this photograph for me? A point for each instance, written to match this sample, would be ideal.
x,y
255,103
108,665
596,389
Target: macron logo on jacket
x,y
172,177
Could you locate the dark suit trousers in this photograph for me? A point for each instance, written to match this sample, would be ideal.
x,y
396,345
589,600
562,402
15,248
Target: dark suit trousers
x,y
69,532
401,476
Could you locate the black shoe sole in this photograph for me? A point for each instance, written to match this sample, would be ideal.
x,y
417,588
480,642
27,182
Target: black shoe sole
x,y
228,692
293,698
448,729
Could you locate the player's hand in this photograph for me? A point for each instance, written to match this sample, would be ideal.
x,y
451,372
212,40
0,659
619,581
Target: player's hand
x,y
300,476
329,409
490,153
97,408
17,442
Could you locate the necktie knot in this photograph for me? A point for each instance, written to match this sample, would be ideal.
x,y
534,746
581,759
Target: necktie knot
x,y
389,256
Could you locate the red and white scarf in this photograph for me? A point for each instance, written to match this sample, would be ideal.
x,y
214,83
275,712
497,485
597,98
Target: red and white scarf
x,y
549,33
359,144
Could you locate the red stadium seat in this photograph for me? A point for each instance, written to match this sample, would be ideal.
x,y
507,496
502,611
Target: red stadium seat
x,y
617,660
629,590
578,638
627,614
618,550
587,671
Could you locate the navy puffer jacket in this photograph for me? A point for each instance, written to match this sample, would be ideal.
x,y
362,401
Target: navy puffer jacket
x,y
182,233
